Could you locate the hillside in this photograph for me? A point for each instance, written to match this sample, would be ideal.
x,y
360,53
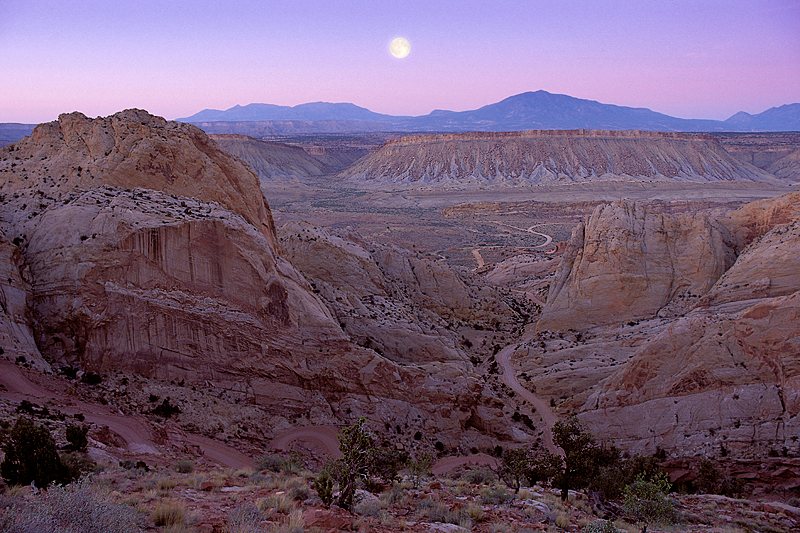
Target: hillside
x,y
281,161
136,247
777,153
272,160
693,308
536,157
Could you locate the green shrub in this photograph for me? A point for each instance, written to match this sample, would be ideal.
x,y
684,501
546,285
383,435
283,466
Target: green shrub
x,y
245,518
711,481
600,526
77,437
166,409
277,463
31,456
78,464
479,476
495,495
580,454
184,466
169,513
92,378
323,484
647,501
419,467
532,464
387,461
356,463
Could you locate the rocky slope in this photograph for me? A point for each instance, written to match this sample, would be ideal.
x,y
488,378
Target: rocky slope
x,y
150,251
408,307
689,324
16,335
272,160
535,157
777,153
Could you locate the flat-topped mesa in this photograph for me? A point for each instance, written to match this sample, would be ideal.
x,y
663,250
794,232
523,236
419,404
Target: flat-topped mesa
x,y
539,157
133,149
536,134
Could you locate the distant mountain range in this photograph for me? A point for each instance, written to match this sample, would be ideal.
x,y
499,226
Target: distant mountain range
x,y
525,111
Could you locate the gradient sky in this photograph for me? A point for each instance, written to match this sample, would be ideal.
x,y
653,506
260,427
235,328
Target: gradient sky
x,y
693,58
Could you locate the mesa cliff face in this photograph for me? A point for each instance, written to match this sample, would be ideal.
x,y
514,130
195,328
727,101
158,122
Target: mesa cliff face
x,y
149,250
535,157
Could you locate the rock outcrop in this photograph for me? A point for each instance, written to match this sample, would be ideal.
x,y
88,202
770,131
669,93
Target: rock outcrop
x,y
717,372
777,152
535,157
151,251
16,335
410,308
630,261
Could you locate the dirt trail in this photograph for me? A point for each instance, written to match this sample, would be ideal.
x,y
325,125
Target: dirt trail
x,y
322,438
509,377
476,253
547,238
133,430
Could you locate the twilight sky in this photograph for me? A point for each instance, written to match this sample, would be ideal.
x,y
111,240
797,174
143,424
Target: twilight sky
x,y
688,58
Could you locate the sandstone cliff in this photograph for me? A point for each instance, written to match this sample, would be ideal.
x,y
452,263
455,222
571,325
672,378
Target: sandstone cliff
x,y
691,327
151,251
630,261
551,157
16,335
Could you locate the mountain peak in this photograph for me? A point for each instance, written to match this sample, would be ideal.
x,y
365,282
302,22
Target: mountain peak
x,y
530,110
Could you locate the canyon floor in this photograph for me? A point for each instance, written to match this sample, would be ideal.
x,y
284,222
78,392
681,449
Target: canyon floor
x,y
456,312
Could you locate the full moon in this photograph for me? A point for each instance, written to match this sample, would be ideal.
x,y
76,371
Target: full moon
x,y
400,47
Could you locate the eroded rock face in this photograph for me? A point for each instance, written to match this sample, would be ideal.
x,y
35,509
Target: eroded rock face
x,y
133,149
410,308
151,251
16,335
551,156
630,261
719,376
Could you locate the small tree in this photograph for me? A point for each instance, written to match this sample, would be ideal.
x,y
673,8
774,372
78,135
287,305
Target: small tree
x,y
543,466
358,452
532,464
514,466
323,484
76,437
31,456
580,453
419,467
646,501
387,461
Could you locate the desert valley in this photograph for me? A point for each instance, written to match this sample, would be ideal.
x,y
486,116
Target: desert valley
x,y
220,299
545,313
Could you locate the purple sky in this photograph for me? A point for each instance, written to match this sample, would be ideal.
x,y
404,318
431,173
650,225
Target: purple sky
x,y
693,58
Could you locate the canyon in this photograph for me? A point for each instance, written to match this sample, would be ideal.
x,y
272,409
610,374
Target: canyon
x,y
462,292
